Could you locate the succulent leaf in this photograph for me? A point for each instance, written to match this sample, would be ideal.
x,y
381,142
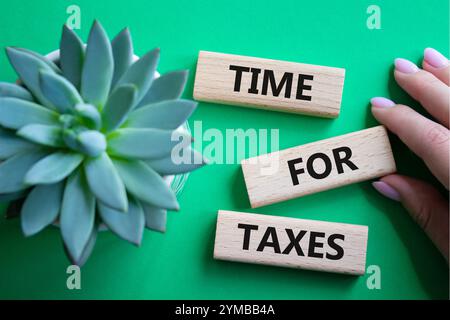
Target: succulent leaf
x,y
77,215
88,115
42,134
86,251
10,144
15,114
14,169
27,67
155,218
59,91
105,183
169,86
145,184
166,165
167,115
142,143
89,248
67,120
71,56
41,207
53,168
92,143
40,57
122,48
141,73
71,140
129,226
7,197
98,67
119,104
12,90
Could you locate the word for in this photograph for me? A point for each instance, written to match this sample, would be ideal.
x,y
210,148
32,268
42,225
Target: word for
x,y
318,166
338,160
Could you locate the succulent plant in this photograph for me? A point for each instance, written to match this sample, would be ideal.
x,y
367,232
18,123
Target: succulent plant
x,y
87,140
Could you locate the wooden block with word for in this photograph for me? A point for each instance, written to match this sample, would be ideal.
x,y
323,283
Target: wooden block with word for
x,y
290,242
318,166
269,84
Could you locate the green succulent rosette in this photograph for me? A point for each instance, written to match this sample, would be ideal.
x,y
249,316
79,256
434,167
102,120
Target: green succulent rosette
x,y
88,139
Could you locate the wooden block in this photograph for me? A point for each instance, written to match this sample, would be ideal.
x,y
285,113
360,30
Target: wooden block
x,y
269,84
318,166
289,242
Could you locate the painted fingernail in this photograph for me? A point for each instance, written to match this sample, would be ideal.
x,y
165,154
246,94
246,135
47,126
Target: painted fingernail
x,y
381,102
435,58
405,66
386,190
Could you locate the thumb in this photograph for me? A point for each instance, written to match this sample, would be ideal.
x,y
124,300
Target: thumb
x,y
424,203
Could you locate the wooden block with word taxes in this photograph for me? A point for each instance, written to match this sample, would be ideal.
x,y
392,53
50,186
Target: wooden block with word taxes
x,y
269,84
318,166
290,242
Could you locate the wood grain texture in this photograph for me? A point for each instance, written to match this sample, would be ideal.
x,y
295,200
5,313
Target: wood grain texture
x,y
214,82
268,178
336,247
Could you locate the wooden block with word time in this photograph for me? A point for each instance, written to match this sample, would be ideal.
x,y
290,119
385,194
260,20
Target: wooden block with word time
x,y
318,166
289,242
269,84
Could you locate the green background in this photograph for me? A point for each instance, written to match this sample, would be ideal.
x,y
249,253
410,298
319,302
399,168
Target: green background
x,y
179,264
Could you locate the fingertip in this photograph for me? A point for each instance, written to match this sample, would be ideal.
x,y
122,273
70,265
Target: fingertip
x,y
405,66
436,64
434,58
410,189
430,88
381,102
386,190
380,108
426,66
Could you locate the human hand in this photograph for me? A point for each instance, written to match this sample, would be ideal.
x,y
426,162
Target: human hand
x,y
429,139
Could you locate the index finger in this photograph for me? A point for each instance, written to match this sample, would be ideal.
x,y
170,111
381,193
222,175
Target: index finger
x,y
426,138
424,87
